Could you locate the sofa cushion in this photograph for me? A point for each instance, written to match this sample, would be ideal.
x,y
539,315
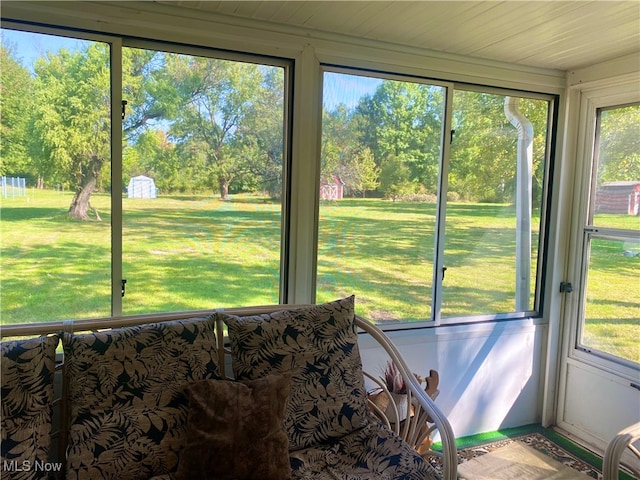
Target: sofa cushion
x,y
318,346
127,396
235,430
28,368
373,452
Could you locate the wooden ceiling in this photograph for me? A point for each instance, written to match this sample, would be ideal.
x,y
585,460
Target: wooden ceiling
x,y
562,35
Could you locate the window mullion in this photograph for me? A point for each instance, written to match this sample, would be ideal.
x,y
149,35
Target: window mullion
x,y
438,261
116,178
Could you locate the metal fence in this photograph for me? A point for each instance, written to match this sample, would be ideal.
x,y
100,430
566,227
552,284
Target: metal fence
x,y
13,187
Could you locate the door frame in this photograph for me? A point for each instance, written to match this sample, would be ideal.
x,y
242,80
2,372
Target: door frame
x,y
609,406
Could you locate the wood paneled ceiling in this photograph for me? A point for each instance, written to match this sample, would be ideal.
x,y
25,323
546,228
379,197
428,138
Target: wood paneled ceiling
x,y
562,35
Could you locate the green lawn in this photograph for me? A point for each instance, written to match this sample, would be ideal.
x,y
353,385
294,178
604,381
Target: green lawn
x,y
197,252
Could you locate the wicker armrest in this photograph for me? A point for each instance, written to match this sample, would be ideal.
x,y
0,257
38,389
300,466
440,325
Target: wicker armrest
x,y
425,418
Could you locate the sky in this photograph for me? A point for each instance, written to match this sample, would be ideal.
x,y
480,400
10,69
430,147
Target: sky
x,y
338,88
348,89
30,46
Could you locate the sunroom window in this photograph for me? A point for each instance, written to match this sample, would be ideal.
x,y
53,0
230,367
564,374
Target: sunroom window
x,y
495,203
154,178
432,197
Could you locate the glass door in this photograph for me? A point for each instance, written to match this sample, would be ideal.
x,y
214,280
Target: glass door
x,y
609,323
599,390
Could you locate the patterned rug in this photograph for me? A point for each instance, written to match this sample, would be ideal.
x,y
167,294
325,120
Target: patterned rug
x,y
540,443
517,461
543,440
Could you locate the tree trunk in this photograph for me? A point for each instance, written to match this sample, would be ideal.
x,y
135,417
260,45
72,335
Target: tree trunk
x,y
223,186
80,205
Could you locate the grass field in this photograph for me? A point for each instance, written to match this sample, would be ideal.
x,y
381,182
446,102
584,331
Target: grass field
x,y
186,253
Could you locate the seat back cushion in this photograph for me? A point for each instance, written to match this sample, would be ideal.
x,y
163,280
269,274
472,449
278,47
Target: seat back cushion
x,y
318,346
28,367
127,395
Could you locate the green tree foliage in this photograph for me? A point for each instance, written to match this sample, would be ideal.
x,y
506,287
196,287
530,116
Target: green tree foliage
x,y
401,123
197,123
361,172
483,150
261,136
16,86
404,120
154,155
72,126
343,155
150,93
192,123
484,147
395,177
338,140
620,145
217,100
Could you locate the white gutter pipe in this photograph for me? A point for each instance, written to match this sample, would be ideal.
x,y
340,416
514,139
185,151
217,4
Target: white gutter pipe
x,y
524,168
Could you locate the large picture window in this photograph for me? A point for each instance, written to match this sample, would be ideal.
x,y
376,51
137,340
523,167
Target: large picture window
x,y
56,126
187,215
142,178
495,201
381,154
427,217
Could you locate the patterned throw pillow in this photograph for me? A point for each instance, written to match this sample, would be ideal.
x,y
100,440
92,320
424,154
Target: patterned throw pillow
x,y
235,430
318,345
127,396
28,367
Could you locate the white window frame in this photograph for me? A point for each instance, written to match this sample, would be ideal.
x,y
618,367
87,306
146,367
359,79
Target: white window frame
x,y
438,260
620,91
117,42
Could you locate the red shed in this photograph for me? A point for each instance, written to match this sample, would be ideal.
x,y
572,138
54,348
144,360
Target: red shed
x,y
331,188
619,197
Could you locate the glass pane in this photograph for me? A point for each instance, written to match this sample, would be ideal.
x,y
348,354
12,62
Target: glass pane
x,y
612,311
617,173
379,175
494,199
55,222
202,182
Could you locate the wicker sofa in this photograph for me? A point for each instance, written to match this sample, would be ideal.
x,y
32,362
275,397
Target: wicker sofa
x,y
163,401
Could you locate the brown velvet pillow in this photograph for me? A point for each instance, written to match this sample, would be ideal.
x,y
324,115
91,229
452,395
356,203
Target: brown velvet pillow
x,y
235,430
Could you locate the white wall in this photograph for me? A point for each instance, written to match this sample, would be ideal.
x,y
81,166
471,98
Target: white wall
x,y
490,374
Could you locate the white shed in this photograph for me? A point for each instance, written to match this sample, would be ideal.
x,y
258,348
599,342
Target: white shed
x,y
142,187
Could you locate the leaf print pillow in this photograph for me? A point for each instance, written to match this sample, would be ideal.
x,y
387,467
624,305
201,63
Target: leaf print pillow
x,y
318,346
28,368
127,392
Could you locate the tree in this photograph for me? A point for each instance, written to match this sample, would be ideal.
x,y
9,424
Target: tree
x,y
403,120
16,100
72,126
620,144
261,135
360,172
217,97
395,177
339,140
483,150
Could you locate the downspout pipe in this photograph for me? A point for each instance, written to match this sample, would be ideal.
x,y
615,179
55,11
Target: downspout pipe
x,y
524,195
